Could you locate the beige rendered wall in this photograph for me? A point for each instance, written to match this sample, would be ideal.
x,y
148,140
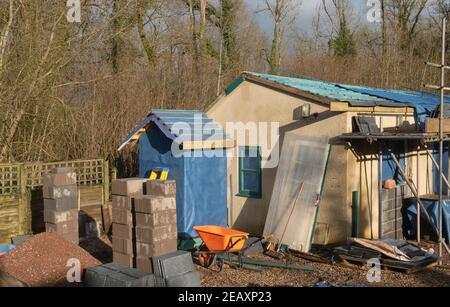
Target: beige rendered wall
x,y
254,103
346,172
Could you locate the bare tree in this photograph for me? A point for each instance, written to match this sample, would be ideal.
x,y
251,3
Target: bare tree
x,y
282,12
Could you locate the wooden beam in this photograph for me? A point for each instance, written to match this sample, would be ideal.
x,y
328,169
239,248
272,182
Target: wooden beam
x,y
432,125
208,145
345,107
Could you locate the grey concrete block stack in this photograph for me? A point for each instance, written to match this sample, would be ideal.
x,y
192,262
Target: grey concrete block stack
x,y
60,194
124,193
115,275
156,223
176,270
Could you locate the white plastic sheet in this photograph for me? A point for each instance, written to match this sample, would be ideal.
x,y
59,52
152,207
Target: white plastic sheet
x,y
303,160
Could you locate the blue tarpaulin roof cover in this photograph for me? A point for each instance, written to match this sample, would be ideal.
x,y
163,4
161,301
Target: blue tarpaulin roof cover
x,y
424,103
201,178
174,123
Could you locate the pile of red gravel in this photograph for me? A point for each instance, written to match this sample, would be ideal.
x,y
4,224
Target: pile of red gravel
x,y
41,261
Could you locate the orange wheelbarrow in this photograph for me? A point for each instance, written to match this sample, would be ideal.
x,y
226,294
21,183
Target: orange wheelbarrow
x,y
219,241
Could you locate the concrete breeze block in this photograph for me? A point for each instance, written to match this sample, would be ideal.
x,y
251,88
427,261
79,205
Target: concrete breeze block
x,y
158,249
56,217
122,216
151,204
122,202
122,231
128,187
163,188
156,219
61,204
156,234
60,192
59,180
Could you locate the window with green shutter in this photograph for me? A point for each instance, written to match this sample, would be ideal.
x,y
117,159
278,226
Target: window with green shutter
x,y
250,177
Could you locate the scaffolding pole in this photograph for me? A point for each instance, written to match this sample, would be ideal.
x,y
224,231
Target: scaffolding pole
x,y
443,67
417,196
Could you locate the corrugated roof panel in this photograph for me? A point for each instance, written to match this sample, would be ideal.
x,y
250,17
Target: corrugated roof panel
x,y
325,89
195,125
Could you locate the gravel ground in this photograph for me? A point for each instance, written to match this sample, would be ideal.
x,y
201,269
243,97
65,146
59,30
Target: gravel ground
x,y
335,275
41,261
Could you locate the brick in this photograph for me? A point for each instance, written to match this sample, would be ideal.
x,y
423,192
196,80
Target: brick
x,y
122,216
58,180
62,228
158,249
151,204
156,234
128,187
122,246
123,259
62,204
122,231
56,217
122,202
156,219
60,192
144,264
163,188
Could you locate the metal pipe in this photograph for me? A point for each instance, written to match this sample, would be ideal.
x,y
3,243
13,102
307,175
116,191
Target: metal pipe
x,y
437,167
418,192
380,191
441,134
355,214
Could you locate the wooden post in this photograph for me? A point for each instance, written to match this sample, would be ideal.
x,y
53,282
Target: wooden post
x,y
105,182
24,226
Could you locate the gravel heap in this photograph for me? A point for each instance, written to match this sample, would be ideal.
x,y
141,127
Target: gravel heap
x,y
41,261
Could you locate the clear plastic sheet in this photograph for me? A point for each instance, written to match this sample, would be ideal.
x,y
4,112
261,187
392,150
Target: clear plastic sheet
x,y
303,160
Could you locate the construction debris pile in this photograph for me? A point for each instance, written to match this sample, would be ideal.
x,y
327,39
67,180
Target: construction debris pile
x,y
61,203
42,260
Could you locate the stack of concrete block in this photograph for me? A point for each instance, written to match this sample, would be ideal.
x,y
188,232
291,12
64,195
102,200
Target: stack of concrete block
x,y
115,275
60,194
124,192
156,223
177,270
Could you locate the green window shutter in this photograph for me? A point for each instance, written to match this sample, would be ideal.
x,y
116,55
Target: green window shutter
x,y
250,175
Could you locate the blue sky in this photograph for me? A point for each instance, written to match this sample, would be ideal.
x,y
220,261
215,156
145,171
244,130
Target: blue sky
x,y
305,14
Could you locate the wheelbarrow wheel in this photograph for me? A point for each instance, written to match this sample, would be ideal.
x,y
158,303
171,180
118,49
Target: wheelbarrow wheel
x,y
206,260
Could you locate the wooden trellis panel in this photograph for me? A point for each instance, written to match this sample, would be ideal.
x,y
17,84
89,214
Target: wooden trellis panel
x,y
21,202
9,179
89,172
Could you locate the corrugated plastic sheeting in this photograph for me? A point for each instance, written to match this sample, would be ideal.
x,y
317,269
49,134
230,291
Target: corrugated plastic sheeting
x,y
432,208
195,124
201,182
303,159
424,103
325,89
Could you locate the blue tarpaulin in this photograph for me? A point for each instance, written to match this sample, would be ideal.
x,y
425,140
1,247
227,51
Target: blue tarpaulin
x,y
424,103
432,208
201,181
